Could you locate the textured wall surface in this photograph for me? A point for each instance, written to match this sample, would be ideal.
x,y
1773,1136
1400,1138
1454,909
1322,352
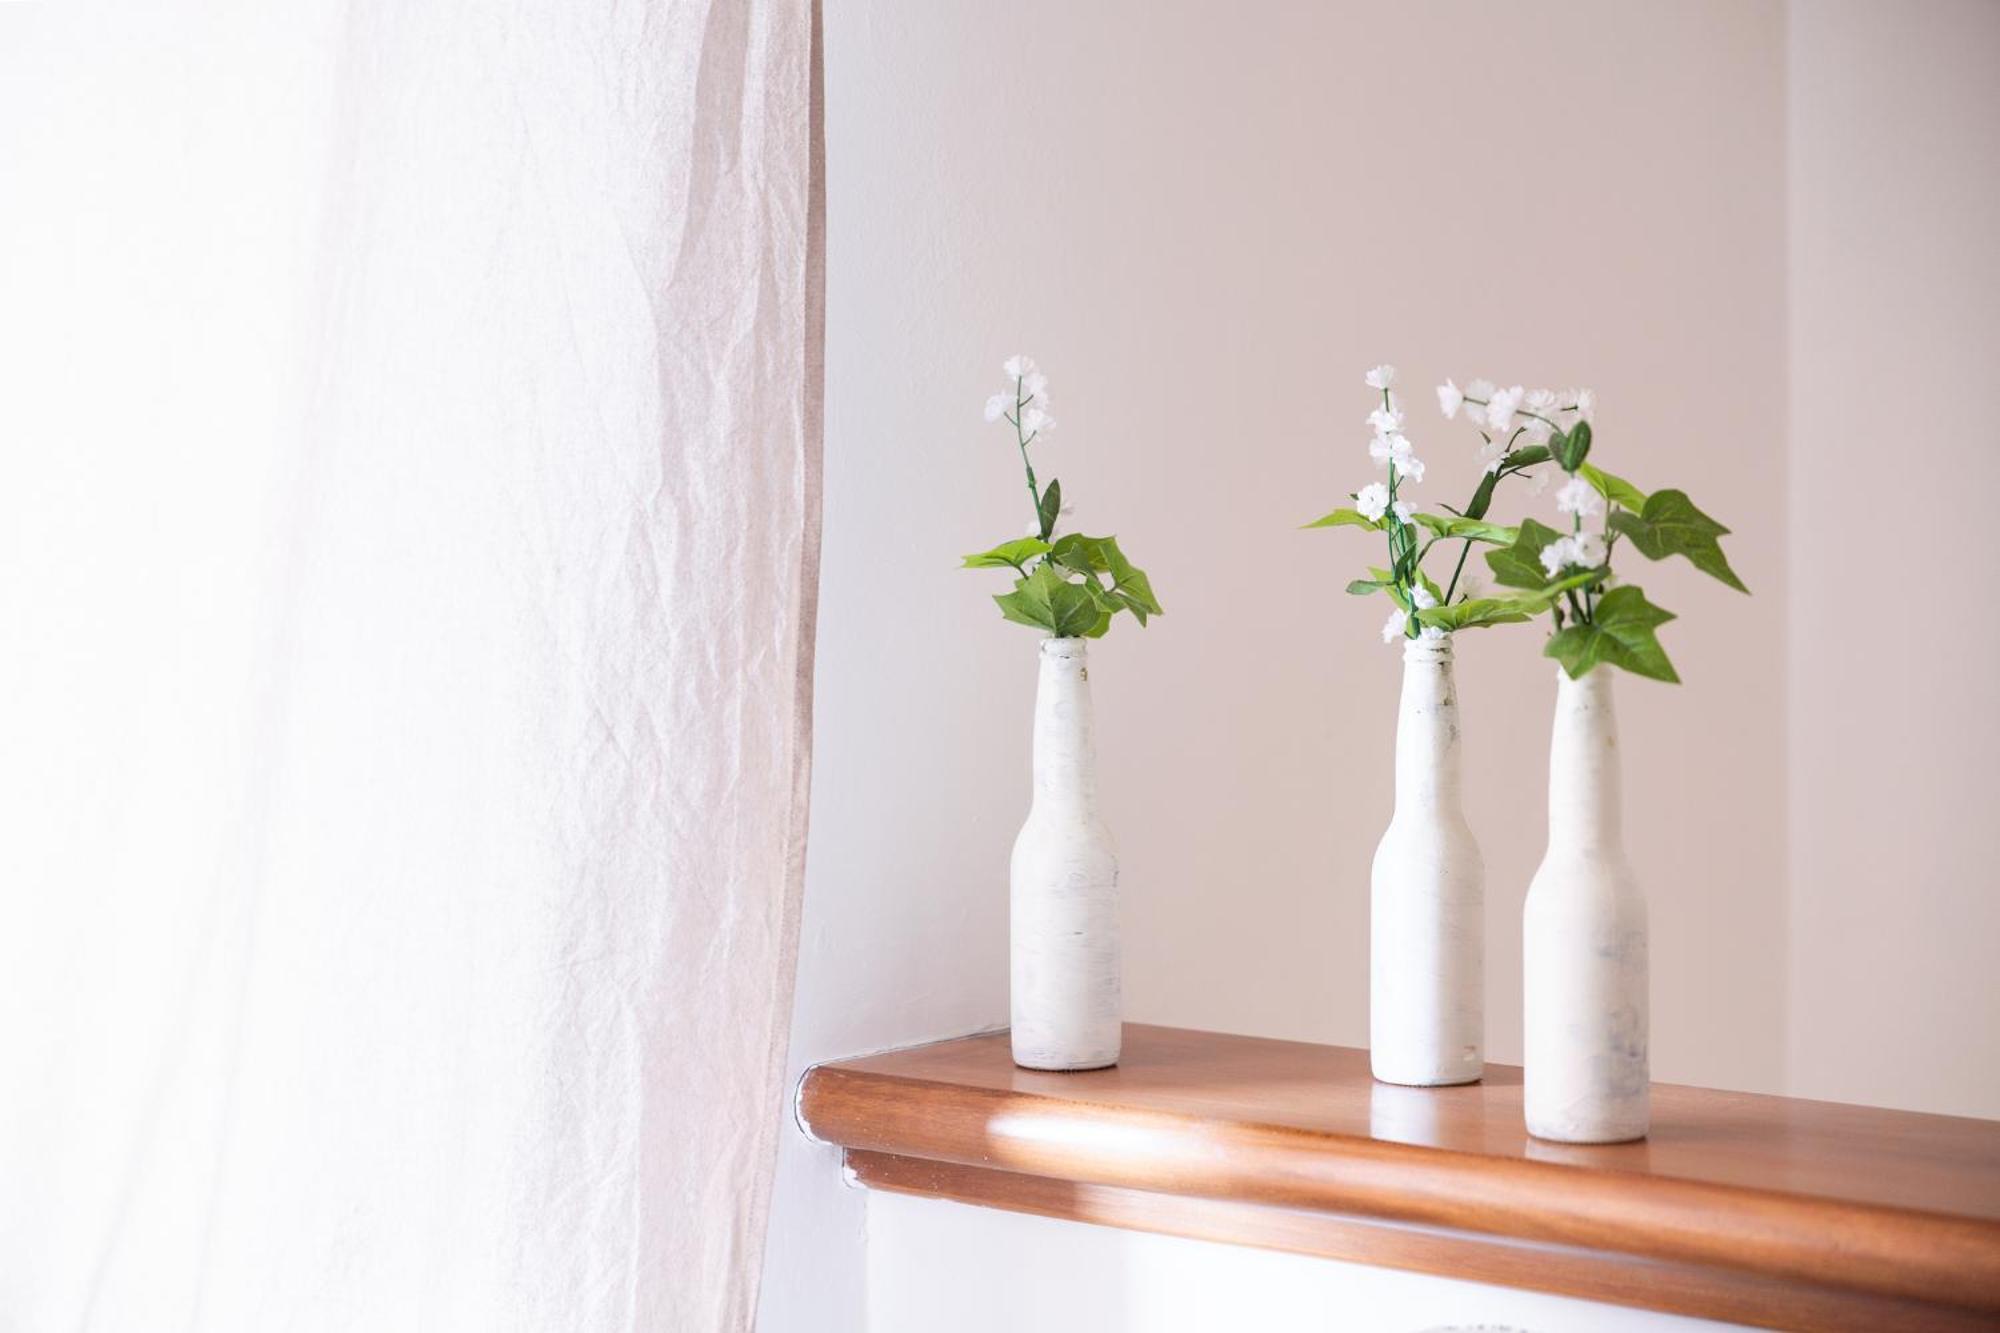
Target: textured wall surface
x,y
1895,190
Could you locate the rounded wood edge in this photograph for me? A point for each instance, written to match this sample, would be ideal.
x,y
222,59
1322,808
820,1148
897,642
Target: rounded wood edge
x,y
1821,1242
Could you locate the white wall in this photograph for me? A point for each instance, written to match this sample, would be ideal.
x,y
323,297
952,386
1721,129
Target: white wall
x,y
1892,659
1206,227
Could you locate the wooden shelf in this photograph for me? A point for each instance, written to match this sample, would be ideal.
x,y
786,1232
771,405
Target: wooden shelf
x,y
1763,1210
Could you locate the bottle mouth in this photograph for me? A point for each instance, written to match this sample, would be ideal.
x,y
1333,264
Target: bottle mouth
x,y
1065,647
1427,650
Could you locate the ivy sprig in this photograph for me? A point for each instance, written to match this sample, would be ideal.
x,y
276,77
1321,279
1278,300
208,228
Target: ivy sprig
x,y
1072,586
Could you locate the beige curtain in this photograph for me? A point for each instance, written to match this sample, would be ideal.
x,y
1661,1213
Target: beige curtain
x,y
408,549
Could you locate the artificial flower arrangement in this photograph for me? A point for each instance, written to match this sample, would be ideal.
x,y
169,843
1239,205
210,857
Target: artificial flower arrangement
x,y
1585,949
1065,583
1065,987
1596,618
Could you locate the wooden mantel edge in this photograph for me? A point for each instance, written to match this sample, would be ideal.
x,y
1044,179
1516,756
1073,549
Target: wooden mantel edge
x,y
1818,1242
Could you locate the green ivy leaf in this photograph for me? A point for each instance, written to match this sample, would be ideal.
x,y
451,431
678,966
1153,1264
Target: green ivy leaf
x,y
1364,587
1008,555
1050,508
1520,565
1047,600
1615,489
1346,518
1669,524
1569,448
1479,611
1621,635
1480,531
1130,589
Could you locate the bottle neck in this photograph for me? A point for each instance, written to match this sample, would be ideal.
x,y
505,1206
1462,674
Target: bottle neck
x,y
1585,808
1065,746
1427,753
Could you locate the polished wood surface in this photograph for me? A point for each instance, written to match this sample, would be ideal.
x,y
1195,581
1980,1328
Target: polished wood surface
x,y
1767,1210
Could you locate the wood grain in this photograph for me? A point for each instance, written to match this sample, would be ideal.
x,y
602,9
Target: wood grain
x,y
1736,1205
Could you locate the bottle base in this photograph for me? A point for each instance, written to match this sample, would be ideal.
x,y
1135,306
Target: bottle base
x,y
1058,1065
1588,1134
1440,1081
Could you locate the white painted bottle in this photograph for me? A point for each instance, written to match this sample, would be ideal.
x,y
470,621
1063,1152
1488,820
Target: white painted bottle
x,y
1585,1013
1066,990
1427,909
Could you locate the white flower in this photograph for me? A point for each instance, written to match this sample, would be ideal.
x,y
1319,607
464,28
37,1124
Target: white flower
x,y
1386,421
1538,481
1403,510
1500,408
1543,402
999,405
1018,367
1035,385
1372,501
1381,377
1586,403
1471,585
1388,449
1578,496
1583,551
1492,454
1421,598
1034,421
1536,431
1479,392
1431,632
1396,626
1450,399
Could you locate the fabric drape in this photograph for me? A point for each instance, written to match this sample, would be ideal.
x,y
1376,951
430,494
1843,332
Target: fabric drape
x,y
408,550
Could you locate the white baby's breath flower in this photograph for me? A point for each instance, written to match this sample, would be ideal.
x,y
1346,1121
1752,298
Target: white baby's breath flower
x,y
1372,501
1386,421
1431,632
1492,454
1479,392
1396,449
1501,407
1421,598
1387,449
1034,421
1450,399
1403,511
1542,402
1035,385
1578,496
1381,377
1471,585
999,405
1018,367
1396,626
1586,404
1583,551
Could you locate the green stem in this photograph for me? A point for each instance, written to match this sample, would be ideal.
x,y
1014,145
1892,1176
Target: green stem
x,y
1034,491
1457,569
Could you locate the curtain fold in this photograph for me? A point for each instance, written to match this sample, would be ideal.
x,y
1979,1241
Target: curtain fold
x,y
408,561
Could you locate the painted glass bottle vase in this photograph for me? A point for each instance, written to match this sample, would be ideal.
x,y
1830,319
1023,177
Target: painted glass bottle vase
x,y
1427,922
1584,951
1063,904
